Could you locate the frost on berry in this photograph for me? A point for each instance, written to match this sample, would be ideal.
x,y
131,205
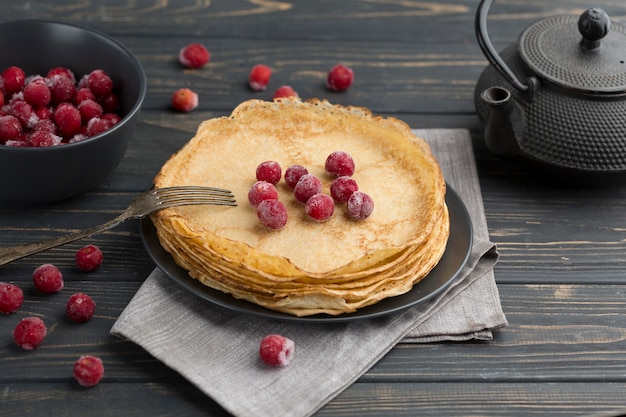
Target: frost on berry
x,y
10,128
62,89
269,171
80,307
360,205
194,55
261,191
342,188
276,350
88,370
339,163
293,174
47,278
272,214
43,138
339,78
307,186
259,77
89,258
29,333
184,100
99,83
285,91
320,207
11,298
37,93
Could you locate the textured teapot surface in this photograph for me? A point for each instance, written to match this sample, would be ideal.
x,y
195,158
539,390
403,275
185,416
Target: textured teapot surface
x,y
567,94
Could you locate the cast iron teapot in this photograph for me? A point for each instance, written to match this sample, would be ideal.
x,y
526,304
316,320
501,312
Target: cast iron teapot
x,y
557,99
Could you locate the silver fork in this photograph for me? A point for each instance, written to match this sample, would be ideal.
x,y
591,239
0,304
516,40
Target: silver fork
x,y
141,206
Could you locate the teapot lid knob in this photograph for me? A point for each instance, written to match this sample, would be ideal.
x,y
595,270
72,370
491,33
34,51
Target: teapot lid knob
x,y
593,25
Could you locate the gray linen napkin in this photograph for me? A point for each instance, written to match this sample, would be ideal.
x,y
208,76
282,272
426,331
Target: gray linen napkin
x,y
217,349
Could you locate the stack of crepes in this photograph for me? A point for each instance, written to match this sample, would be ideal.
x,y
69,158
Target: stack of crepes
x,y
308,267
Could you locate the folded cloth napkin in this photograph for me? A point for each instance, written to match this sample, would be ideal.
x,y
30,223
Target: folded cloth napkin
x,y
217,349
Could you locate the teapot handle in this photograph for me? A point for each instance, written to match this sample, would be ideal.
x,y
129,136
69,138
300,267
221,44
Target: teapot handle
x,y
492,55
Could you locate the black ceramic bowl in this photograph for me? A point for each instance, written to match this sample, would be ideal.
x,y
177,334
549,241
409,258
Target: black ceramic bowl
x,y
58,172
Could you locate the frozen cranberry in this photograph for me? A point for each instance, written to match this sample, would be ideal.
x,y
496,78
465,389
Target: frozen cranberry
x,y
10,128
339,78
83,94
29,333
110,103
269,171
276,350
62,89
80,307
184,100
88,370
44,113
112,117
194,55
307,186
45,125
11,298
272,214
24,113
342,188
37,93
62,71
320,207
99,82
13,80
42,139
89,258
285,91
89,109
48,279
260,191
293,174
259,77
98,125
360,205
1,97
339,163
67,117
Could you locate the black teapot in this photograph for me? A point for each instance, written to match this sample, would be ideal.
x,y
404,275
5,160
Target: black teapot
x,y
556,100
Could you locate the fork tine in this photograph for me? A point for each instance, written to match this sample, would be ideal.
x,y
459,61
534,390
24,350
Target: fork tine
x,y
177,196
192,189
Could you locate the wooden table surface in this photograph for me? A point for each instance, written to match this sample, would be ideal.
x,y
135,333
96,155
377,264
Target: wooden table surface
x,y
562,271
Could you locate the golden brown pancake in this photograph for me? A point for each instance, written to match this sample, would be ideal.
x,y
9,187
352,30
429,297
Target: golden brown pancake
x,y
307,267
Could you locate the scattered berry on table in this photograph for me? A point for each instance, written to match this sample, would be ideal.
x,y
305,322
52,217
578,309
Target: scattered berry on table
x,y
88,370
80,307
272,214
293,174
184,100
194,55
89,258
29,332
261,191
339,78
48,279
360,205
339,163
342,188
320,207
276,350
307,186
285,91
11,298
13,79
269,171
259,77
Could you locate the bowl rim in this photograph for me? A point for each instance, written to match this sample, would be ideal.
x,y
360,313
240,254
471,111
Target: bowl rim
x,y
143,86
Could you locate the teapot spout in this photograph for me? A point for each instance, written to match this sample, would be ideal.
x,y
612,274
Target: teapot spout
x,y
504,122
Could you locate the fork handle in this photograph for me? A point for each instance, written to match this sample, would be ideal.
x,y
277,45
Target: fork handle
x,y
12,253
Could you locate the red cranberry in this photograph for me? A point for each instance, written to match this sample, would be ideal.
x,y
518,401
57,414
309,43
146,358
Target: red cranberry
x,y
260,191
37,93
80,307
308,185
320,207
62,71
42,139
276,350
342,188
293,174
339,78
13,80
89,109
99,82
89,258
339,163
285,91
48,279
272,214
62,89
110,103
10,128
269,171
67,117
11,298
194,55
259,77
88,370
360,205
29,333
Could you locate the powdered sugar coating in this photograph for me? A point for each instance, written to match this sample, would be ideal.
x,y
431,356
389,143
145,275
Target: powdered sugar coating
x,y
360,205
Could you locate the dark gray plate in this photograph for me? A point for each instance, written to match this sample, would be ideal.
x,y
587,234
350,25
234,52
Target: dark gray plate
x,y
453,260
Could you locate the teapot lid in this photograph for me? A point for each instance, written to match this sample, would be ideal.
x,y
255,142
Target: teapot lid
x,y
578,54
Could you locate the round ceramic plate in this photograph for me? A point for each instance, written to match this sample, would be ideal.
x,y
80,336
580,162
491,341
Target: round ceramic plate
x,y
447,270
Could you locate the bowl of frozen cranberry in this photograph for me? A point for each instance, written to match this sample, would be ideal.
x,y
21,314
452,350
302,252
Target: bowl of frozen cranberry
x,y
70,97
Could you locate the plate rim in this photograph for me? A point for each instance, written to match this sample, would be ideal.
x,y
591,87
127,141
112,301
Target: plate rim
x,y
458,213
